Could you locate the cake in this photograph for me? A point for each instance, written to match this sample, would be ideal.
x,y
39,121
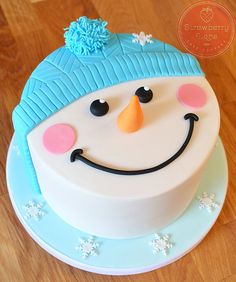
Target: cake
x,y
115,130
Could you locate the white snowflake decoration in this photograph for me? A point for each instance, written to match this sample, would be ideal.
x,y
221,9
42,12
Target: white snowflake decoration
x,y
87,247
161,244
207,201
16,149
33,210
142,38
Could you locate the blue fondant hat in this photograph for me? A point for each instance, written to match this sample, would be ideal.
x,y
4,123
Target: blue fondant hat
x,y
92,59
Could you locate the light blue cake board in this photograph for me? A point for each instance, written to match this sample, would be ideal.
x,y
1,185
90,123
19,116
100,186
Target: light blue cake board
x,y
117,257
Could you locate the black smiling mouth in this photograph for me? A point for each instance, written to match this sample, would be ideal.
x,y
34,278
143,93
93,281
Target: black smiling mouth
x,y
77,155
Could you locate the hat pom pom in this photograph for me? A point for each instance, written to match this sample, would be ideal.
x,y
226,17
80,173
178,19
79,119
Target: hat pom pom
x,y
86,36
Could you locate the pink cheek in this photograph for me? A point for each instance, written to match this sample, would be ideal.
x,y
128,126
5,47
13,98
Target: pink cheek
x,y
59,138
192,95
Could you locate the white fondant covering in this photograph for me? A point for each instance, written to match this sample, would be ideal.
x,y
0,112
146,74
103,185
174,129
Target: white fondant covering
x,y
117,206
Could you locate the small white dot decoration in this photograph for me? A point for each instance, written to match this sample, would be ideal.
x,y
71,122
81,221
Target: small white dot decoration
x,y
16,149
102,101
146,88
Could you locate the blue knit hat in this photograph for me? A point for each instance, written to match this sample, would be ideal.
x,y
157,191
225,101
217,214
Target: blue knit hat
x,y
92,59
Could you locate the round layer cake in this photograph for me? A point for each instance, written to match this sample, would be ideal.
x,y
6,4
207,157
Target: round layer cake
x,y
116,133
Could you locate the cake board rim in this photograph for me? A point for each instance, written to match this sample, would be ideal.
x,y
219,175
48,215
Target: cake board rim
x,y
182,245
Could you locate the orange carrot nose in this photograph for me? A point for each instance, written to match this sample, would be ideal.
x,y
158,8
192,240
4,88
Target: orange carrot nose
x,y
131,118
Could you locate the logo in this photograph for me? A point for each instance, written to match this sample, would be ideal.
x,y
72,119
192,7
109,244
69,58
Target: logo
x,y
206,14
206,29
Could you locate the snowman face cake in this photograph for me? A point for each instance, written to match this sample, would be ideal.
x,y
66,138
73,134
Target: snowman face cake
x,y
108,158
85,189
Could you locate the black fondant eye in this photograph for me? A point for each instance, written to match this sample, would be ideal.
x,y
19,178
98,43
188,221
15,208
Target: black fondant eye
x,y
144,94
99,107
